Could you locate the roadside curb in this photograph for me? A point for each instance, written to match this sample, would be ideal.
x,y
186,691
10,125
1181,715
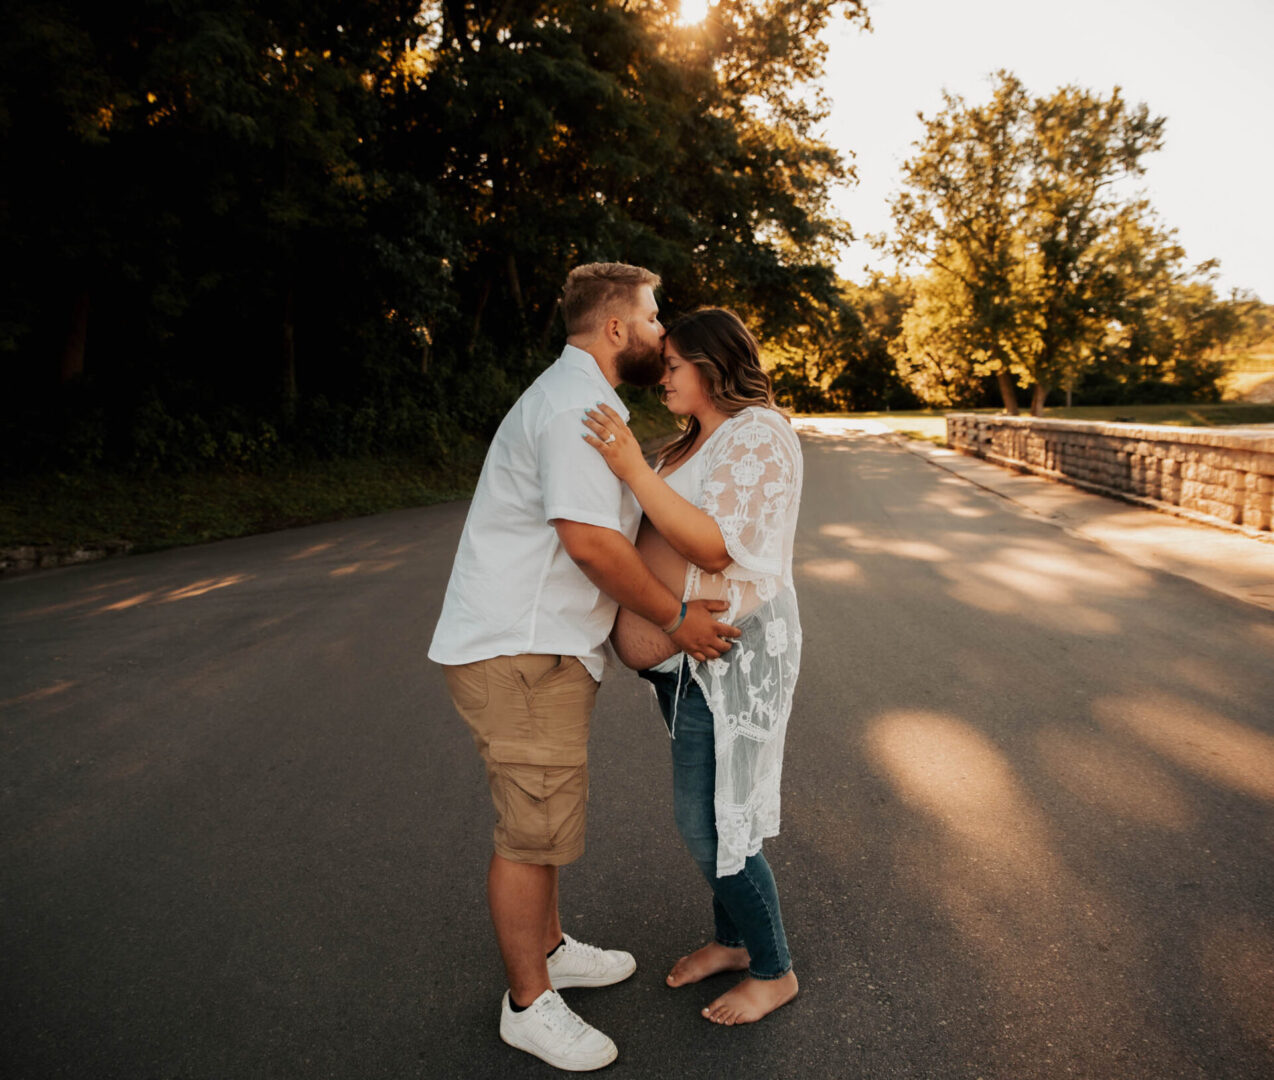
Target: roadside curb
x,y
926,451
28,557
1221,559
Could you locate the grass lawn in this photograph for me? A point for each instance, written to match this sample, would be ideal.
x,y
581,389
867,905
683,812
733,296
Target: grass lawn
x,y
66,512
62,513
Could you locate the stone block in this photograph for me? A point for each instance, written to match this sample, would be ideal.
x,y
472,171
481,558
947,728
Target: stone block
x,y
1256,515
1262,463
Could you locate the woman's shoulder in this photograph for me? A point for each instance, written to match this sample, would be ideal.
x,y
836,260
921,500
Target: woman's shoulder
x,y
757,424
758,416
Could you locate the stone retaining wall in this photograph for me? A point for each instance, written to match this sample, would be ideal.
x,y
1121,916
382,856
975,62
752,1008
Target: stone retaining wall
x,y
1223,474
45,557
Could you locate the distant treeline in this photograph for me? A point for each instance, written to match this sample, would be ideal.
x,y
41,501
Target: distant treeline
x,y
898,349
236,230
1042,266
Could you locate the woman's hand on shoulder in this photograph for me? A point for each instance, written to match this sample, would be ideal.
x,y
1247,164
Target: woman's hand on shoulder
x,y
612,439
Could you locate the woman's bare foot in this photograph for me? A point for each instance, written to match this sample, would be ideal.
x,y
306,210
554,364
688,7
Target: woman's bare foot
x,y
752,999
709,960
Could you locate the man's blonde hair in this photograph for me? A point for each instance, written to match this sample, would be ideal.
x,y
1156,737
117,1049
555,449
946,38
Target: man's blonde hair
x,y
595,290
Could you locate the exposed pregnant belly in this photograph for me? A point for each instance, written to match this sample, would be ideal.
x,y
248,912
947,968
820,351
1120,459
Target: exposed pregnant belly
x,y
638,643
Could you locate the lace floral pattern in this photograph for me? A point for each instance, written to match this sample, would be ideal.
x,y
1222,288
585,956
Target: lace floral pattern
x,y
752,488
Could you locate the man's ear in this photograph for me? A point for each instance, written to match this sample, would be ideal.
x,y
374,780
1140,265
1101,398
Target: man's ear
x,y
616,331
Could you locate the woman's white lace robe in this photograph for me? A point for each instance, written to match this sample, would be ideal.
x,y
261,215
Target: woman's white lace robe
x,y
752,489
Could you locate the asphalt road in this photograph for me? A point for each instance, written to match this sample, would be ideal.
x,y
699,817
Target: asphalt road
x,y
1028,814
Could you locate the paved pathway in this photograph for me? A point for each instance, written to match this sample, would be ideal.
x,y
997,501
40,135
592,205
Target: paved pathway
x,y
1028,802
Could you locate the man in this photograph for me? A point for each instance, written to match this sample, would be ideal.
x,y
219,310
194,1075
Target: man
x,y
545,558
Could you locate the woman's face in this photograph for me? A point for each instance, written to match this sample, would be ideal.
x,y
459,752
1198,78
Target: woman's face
x,y
684,391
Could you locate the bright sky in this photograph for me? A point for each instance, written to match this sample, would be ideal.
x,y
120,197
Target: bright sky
x,y
1206,67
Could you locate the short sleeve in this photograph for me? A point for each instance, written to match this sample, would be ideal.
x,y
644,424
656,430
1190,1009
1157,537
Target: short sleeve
x,y
576,481
749,490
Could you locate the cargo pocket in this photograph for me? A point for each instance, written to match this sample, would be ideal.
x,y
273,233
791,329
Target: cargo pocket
x,y
543,793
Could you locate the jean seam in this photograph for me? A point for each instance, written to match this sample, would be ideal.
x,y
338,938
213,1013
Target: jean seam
x,y
774,941
769,978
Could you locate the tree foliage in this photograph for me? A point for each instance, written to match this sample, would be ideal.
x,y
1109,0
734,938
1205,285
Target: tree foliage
x,y
1041,266
341,225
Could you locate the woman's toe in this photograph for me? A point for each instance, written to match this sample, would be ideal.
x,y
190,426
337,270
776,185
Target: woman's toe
x,y
719,1012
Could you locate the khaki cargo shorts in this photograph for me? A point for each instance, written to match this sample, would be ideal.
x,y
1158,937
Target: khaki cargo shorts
x,y
529,716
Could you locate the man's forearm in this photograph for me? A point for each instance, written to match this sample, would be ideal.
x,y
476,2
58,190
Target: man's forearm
x,y
613,565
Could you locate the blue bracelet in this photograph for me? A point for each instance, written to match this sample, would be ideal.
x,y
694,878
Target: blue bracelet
x,y
677,621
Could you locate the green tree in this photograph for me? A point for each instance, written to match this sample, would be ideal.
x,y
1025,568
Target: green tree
x,y
1167,337
189,191
939,349
578,130
960,215
341,226
1079,145
869,378
1016,203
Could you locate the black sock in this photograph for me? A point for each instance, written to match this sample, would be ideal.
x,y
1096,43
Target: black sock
x,y
522,1008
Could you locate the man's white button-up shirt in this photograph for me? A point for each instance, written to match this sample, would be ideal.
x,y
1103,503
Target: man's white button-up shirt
x,y
513,587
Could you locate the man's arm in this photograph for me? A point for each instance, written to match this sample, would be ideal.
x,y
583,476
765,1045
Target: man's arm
x,y
611,563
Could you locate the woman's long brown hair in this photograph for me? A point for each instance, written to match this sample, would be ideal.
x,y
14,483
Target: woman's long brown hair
x,y
729,361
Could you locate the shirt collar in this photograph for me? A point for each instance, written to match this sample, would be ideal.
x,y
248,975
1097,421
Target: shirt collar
x,y
580,360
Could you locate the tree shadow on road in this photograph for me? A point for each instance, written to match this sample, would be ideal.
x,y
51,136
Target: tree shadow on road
x,y
1041,815
1027,813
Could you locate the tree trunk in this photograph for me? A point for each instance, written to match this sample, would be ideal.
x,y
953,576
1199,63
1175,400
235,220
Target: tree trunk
x,y
1038,397
477,315
515,284
548,324
76,338
1007,391
287,380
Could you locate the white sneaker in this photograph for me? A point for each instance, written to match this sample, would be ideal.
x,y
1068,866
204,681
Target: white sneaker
x,y
577,964
549,1029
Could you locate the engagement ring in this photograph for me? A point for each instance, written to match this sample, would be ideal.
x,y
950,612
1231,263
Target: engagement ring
x,y
611,439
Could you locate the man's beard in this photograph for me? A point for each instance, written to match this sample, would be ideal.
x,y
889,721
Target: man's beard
x,y
639,364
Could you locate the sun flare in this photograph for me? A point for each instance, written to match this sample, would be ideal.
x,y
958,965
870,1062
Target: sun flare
x,y
693,11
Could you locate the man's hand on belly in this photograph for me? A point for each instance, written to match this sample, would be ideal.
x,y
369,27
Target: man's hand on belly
x,y
701,634
611,563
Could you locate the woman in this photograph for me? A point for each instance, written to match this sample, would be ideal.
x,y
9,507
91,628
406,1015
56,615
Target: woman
x,y
720,520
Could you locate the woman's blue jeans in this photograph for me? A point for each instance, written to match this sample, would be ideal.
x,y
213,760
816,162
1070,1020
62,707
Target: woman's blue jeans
x,y
745,906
